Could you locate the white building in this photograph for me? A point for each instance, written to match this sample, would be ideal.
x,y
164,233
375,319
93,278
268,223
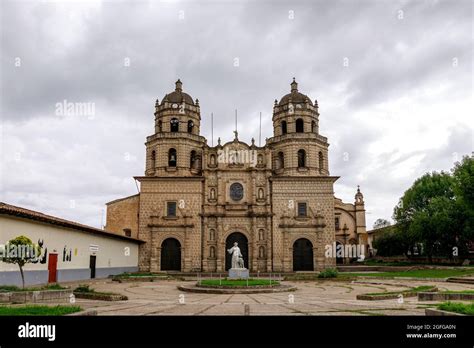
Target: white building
x,y
70,251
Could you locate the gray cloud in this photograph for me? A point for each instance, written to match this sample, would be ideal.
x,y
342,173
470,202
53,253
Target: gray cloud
x,y
76,52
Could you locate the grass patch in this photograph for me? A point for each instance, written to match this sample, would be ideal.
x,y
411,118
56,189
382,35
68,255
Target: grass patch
x,y
412,290
372,262
238,282
419,273
457,292
457,307
85,289
13,288
38,310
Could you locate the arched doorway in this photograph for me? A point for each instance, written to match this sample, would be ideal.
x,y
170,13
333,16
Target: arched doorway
x,y
242,244
303,255
339,253
170,255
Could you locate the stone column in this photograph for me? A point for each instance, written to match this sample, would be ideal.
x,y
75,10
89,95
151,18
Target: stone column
x,y
220,246
154,257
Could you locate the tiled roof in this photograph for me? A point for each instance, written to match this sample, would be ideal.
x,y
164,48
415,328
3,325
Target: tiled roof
x,y
8,209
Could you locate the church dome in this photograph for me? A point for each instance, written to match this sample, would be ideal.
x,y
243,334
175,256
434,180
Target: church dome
x,y
295,96
178,96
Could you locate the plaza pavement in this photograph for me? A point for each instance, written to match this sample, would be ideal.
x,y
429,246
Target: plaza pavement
x,y
311,298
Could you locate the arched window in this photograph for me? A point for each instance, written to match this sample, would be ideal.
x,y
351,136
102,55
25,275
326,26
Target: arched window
x,y
281,160
160,126
313,126
190,126
192,160
212,234
212,252
301,158
172,158
299,125
174,125
321,162
283,127
153,159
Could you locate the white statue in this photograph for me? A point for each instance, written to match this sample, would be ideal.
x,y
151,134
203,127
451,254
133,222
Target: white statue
x,y
237,257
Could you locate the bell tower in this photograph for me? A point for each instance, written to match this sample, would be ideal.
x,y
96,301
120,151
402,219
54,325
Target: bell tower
x,y
298,148
176,147
360,216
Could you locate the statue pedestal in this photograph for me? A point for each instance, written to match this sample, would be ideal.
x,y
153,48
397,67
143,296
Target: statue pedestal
x,y
238,273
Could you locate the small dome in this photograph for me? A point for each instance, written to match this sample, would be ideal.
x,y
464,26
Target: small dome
x,y
178,96
296,97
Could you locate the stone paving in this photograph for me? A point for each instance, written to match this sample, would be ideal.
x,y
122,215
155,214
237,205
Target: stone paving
x,y
311,298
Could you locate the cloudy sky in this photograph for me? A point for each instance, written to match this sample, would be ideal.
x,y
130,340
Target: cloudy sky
x,y
393,80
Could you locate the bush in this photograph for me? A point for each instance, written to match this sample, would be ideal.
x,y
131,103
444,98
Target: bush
x,y
12,288
328,273
83,288
9,288
54,287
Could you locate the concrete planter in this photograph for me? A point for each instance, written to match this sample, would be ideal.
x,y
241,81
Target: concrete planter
x,y
35,296
89,312
461,280
439,296
440,313
138,279
364,268
382,296
237,290
100,296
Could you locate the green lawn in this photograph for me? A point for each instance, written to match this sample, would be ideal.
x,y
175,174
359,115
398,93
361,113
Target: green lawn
x,y
417,289
237,282
420,273
38,310
457,307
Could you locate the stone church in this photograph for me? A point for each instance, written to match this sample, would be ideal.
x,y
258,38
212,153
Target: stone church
x,y
276,201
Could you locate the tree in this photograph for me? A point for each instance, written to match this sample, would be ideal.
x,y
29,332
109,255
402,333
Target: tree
x,y
379,223
438,211
21,251
426,213
463,175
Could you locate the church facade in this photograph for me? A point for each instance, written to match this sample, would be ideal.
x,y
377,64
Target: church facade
x,y
276,201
